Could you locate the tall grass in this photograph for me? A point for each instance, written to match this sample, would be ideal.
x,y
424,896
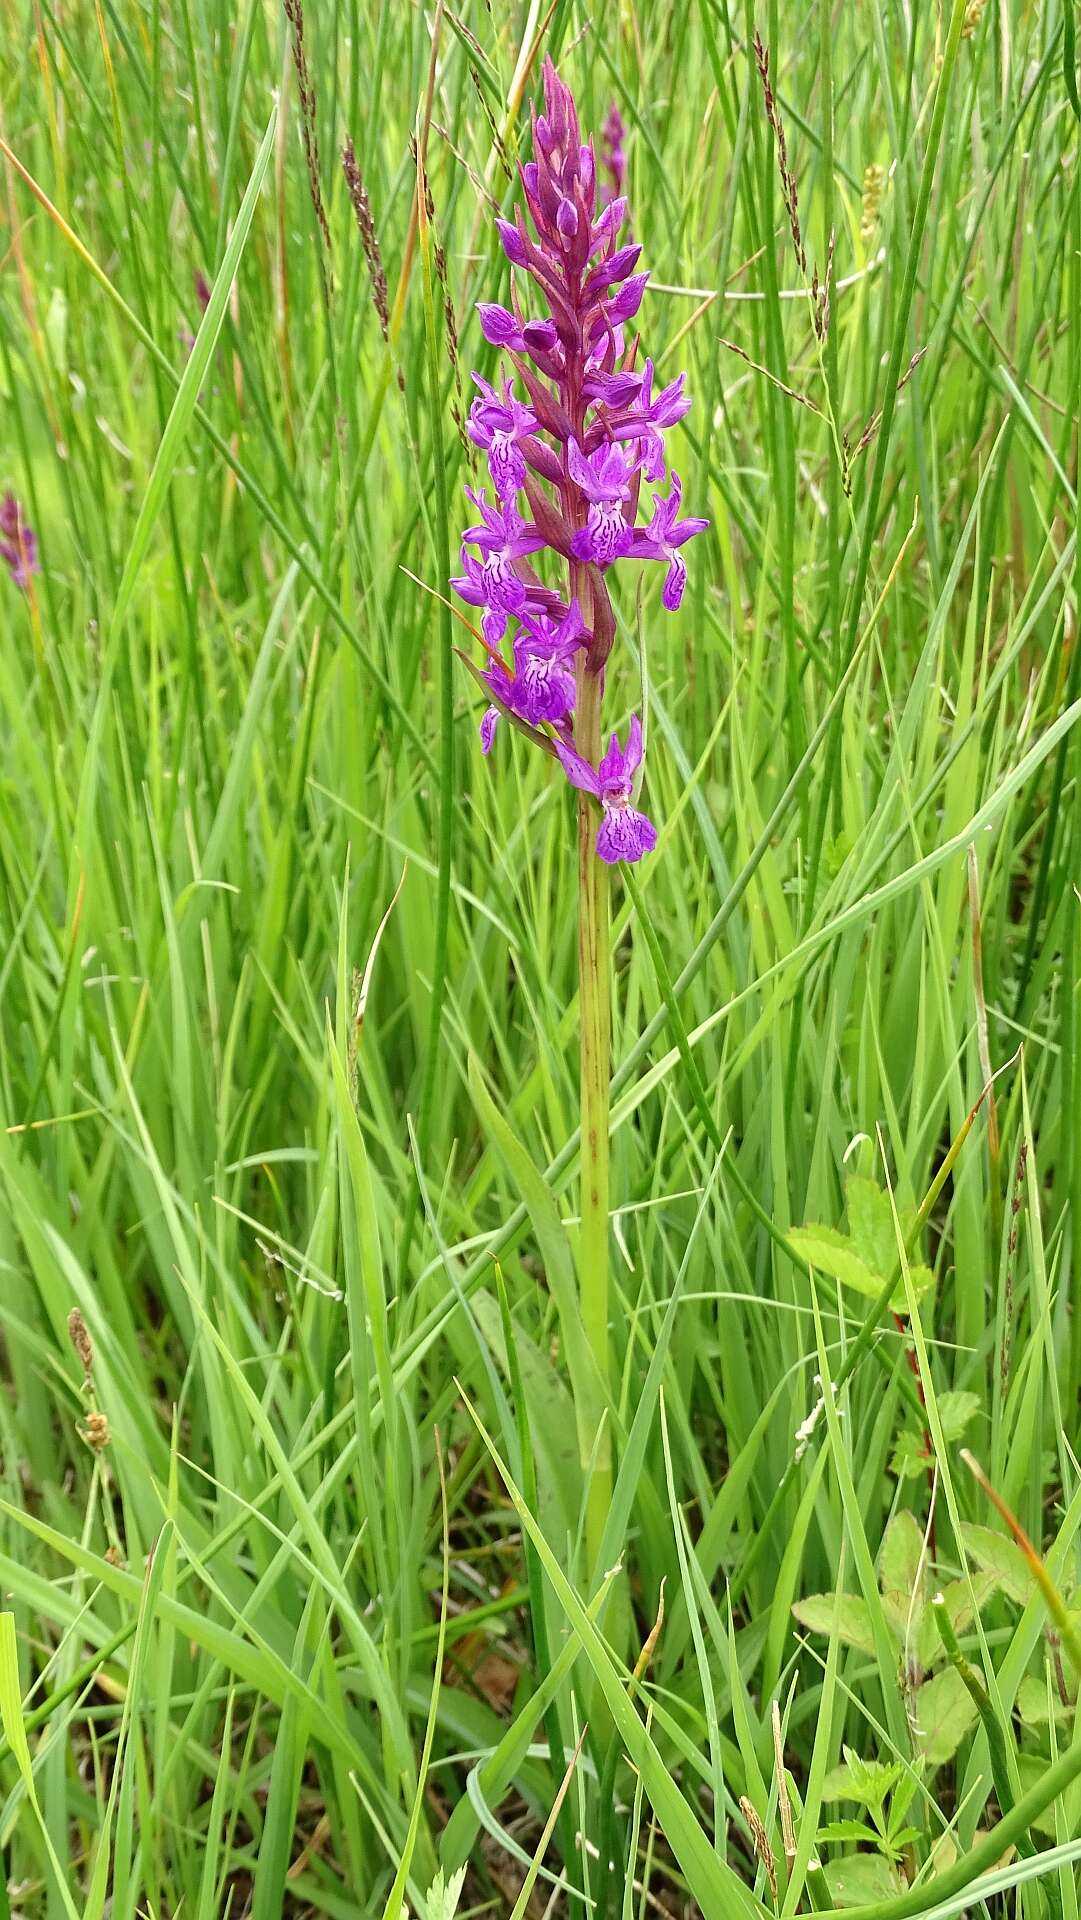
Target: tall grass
x,y
290,1034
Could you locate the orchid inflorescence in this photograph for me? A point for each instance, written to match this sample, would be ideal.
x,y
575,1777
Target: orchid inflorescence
x,y
589,429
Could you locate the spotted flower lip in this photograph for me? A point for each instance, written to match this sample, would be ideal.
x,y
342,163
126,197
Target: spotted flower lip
x,y
604,479
504,538
497,425
542,688
625,833
663,537
473,586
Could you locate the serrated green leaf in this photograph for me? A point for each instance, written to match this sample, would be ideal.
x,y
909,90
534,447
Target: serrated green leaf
x,y
874,1778
945,1712
833,1253
956,1412
835,1831
444,1894
870,1223
995,1554
959,1606
868,1782
862,1879
908,1458
1032,1703
846,1615
901,1554
904,1836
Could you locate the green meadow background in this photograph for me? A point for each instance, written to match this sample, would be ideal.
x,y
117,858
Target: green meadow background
x,y
298,1613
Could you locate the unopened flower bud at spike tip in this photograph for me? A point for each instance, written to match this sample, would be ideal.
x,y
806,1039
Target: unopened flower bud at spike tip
x,y
499,327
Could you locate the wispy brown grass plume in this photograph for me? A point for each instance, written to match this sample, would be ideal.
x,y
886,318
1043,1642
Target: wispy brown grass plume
x,y
369,239
294,13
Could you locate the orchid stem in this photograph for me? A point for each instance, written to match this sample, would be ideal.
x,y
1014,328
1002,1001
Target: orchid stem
x,y
596,1048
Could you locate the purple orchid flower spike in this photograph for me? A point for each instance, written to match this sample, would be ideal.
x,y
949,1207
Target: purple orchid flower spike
x,y
19,547
663,537
497,425
624,833
603,479
576,432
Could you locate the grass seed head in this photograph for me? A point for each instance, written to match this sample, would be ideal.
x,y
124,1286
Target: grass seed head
x,y
874,180
369,239
95,1431
81,1341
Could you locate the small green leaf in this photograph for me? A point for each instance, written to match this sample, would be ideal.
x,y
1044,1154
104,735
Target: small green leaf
x,y
904,1836
870,1222
945,1711
900,1576
956,1412
959,1607
874,1778
837,1830
866,1781
834,1253
1032,1703
997,1555
861,1880
837,852
443,1895
846,1615
901,1554
908,1459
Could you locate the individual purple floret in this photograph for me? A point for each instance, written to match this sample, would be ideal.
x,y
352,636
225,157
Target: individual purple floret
x,y
19,546
604,480
646,421
503,538
665,534
542,688
576,432
624,832
498,425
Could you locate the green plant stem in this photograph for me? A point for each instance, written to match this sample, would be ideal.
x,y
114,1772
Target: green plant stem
x,y
446,715
596,1060
994,1731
